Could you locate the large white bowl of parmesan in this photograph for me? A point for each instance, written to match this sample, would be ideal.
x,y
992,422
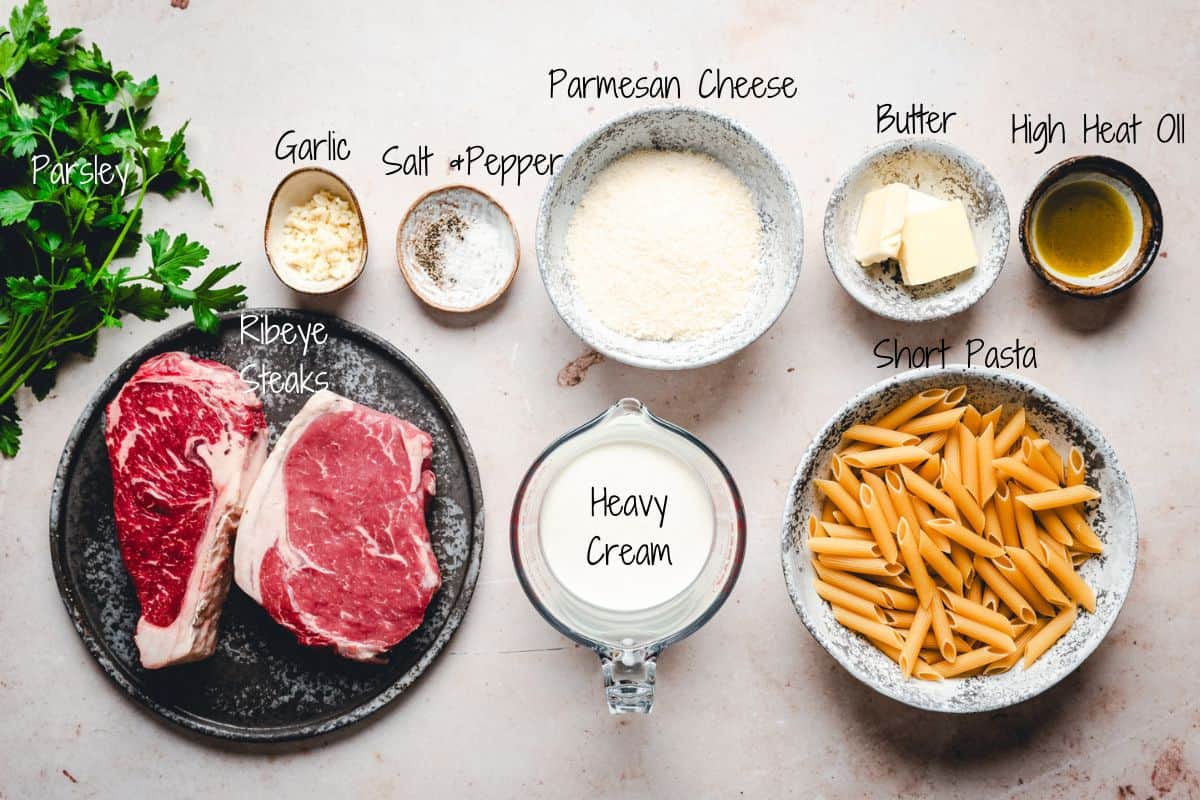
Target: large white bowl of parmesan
x,y
671,238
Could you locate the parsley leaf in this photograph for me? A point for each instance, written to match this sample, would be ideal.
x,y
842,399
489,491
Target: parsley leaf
x,y
68,252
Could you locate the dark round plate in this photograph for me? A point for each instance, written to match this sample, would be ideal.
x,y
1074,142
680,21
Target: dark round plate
x,y
261,685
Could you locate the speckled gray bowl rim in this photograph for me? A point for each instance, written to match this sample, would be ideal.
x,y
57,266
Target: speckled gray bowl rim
x,y
735,345
281,733
951,373
868,301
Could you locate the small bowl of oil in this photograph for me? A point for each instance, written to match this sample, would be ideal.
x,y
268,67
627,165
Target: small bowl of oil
x,y
1091,227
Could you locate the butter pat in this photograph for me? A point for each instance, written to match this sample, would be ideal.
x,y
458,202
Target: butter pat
x,y
936,243
880,224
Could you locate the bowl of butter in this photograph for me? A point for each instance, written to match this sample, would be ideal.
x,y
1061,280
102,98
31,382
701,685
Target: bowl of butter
x,y
917,230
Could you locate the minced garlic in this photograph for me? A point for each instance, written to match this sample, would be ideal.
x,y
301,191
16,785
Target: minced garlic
x,y
323,239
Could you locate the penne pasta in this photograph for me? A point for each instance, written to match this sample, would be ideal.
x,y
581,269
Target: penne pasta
x,y
1011,573
843,501
1057,498
940,564
840,531
962,498
981,632
934,442
969,661
910,553
991,525
1008,520
1028,533
1052,458
910,653
991,601
968,539
1010,434
1033,457
901,502
968,458
911,407
942,635
877,522
992,418
813,528
844,475
1041,641
973,420
951,541
931,423
887,457
840,597
1076,588
853,548
900,600
884,437
977,612
1085,538
951,457
987,473
1007,593
898,619
932,468
862,566
1022,473
926,491
853,584
951,400
882,497
1011,660
867,627
963,562
1074,468
1053,525
1032,571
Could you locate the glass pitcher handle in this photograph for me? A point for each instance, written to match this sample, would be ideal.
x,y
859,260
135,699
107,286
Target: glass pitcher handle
x,y
628,681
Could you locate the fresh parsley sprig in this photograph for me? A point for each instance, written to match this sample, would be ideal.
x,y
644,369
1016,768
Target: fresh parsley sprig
x,y
63,246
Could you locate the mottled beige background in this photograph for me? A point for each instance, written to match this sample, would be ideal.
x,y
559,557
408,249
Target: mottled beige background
x,y
751,704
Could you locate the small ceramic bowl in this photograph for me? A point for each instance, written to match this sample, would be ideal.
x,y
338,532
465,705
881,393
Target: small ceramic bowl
x,y
488,244
296,189
936,168
1109,574
1143,208
690,129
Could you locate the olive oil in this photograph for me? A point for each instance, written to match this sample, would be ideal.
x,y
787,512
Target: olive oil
x,y
1082,228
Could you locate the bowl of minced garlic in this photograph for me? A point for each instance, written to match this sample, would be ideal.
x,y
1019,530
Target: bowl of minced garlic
x,y
314,236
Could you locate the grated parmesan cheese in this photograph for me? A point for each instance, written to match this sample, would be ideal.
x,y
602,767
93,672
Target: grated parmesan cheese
x,y
322,239
664,245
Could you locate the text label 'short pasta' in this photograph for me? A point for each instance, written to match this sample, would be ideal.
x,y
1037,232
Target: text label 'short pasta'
x,y
892,354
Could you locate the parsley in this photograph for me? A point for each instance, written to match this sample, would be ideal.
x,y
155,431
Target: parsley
x,y
61,246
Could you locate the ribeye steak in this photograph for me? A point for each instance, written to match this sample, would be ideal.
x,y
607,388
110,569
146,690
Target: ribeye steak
x,y
186,438
333,542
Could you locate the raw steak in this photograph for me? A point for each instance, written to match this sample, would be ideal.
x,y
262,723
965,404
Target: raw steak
x,y
333,543
186,438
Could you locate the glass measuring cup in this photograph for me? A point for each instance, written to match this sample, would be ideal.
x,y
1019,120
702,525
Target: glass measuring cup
x,y
628,640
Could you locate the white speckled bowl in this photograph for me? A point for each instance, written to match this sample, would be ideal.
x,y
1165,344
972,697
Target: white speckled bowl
x,y
1110,574
943,171
676,128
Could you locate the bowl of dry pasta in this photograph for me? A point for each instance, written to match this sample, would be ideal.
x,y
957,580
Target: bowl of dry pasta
x,y
959,539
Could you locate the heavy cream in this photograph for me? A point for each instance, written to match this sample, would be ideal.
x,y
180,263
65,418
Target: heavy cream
x,y
627,525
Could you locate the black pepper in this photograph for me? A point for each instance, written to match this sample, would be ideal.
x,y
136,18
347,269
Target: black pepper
x,y
429,245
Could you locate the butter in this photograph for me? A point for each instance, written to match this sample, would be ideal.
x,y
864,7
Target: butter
x,y
880,223
936,243
919,201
